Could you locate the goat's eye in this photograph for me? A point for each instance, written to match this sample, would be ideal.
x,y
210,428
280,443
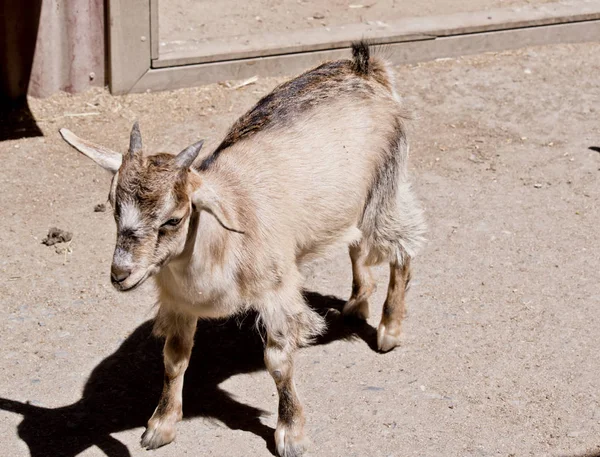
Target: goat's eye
x,y
172,222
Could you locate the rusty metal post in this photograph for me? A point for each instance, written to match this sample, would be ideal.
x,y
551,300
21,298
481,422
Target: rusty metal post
x,y
51,45
70,48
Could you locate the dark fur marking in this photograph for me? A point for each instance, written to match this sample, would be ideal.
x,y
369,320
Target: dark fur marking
x,y
128,233
288,404
360,58
355,287
164,406
388,310
387,174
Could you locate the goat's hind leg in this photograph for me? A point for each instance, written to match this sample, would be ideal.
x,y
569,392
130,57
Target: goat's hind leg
x,y
394,309
179,332
363,285
399,234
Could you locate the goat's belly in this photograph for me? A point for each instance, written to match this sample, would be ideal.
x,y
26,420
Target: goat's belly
x,y
326,244
206,310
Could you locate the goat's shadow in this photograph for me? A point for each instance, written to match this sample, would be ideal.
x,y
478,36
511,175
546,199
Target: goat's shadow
x,y
123,389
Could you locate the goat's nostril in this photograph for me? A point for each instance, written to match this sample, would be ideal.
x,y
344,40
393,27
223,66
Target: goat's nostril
x,y
119,274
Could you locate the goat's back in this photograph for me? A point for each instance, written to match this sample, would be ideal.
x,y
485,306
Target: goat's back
x,y
309,154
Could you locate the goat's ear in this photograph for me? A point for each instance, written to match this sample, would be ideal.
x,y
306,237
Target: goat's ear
x,y
206,199
186,158
106,158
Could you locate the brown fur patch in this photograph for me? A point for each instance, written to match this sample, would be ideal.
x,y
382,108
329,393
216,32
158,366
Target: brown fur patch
x,y
218,250
379,74
165,403
145,180
290,408
394,306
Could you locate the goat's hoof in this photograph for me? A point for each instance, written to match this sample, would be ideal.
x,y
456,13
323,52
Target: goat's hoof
x,y
356,310
158,434
387,338
290,441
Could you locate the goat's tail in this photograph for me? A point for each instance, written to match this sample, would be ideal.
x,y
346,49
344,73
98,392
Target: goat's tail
x,y
361,57
367,65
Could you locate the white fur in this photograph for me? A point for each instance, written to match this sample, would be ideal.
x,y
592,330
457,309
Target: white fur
x,y
130,216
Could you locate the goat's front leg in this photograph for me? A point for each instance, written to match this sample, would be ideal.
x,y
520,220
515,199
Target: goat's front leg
x,y
287,328
179,332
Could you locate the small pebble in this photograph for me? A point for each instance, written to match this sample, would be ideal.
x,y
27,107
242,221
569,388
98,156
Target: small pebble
x,y
100,208
374,388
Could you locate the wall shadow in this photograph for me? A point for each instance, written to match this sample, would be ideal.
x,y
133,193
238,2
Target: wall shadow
x,y
122,391
16,120
19,23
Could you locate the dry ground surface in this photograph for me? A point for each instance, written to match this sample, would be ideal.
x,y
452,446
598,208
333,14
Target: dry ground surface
x,y
500,353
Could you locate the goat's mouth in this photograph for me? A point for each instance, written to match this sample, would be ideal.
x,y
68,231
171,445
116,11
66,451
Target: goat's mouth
x,y
133,281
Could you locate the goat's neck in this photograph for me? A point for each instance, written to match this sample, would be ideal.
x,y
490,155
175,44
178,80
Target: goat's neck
x,y
205,266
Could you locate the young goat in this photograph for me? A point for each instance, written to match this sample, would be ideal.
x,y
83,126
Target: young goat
x,y
320,161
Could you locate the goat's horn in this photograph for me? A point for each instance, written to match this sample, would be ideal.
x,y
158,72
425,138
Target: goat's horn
x,y
106,158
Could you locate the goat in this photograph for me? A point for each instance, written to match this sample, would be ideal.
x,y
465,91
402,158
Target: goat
x,y
319,162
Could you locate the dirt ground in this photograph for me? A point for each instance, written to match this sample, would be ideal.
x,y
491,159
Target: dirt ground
x,y
500,352
184,24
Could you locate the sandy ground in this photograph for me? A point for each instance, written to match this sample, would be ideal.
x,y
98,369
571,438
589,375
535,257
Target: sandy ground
x,y
500,352
184,24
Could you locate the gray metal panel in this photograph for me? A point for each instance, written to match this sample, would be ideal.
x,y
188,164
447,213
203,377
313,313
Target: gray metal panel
x,y
129,42
409,29
154,21
399,53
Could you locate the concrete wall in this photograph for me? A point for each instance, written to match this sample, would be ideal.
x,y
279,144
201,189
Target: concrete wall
x,y
51,45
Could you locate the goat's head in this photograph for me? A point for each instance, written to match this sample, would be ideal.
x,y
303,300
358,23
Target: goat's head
x,y
152,199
